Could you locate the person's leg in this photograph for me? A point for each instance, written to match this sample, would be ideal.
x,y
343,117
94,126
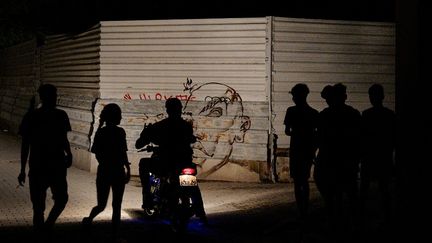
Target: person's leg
x,y
199,205
337,208
298,194
59,190
102,189
352,192
365,180
38,195
144,168
384,188
118,188
301,191
322,182
171,191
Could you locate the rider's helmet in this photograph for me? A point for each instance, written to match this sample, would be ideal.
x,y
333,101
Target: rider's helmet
x,y
173,107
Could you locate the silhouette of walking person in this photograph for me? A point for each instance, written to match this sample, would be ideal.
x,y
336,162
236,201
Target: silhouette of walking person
x,y
338,157
45,144
379,144
110,148
301,125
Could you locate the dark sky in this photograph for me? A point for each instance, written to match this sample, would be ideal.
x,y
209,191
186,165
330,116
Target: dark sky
x,y
25,17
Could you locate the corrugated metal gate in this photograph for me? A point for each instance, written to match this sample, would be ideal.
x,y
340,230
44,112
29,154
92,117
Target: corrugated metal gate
x,y
142,58
19,80
232,75
71,63
145,62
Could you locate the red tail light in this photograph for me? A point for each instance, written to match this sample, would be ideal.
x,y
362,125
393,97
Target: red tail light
x,y
188,171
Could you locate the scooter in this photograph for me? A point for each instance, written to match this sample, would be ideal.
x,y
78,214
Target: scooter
x,y
171,196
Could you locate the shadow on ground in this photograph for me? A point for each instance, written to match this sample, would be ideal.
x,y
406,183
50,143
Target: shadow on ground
x,y
275,224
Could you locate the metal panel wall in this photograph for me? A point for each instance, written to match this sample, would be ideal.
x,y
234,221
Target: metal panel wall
x,y
71,63
321,52
140,59
19,79
232,146
145,62
139,64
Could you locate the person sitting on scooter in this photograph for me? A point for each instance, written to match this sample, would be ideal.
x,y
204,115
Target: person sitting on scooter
x,y
173,136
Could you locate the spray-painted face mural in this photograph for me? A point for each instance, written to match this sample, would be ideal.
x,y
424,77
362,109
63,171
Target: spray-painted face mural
x,y
219,124
217,114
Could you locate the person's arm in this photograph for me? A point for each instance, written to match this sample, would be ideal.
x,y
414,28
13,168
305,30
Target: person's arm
x,y
287,124
25,148
144,138
125,159
192,138
315,120
68,153
67,148
127,166
287,130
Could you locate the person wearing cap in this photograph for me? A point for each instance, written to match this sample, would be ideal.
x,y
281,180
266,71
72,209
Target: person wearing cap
x,y
337,163
326,94
301,125
320,171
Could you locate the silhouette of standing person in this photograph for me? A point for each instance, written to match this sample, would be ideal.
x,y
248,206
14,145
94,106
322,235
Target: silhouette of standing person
x,y
110,148
301,125
379,144
44,136
321,172
339,154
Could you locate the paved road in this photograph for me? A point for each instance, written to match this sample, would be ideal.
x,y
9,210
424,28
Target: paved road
x,y
238,212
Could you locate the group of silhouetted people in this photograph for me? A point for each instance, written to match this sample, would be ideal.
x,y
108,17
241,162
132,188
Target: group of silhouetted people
x,y
341,143
46,146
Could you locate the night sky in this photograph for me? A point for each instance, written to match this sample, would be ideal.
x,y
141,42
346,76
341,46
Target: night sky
x,y
20,19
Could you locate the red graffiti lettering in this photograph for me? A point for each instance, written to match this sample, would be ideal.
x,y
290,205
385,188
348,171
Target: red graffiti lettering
x,y
144,96
127,96
181,97
158,96
167,97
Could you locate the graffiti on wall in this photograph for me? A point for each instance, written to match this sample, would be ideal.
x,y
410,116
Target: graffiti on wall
x,y
226,112
218,124
157,96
